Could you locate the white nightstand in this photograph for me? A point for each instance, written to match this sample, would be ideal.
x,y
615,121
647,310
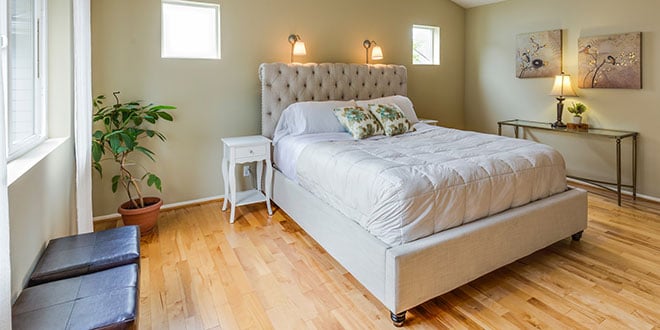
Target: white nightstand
x,y
240,150
429,121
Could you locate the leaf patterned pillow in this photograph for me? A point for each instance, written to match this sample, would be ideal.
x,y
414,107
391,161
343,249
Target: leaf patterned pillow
x,y
359,122
391,117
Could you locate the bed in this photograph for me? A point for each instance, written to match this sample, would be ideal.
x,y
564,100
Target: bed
x,y
406,271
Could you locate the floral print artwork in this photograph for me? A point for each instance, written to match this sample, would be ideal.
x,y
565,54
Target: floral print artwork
x,y
539,54
612,61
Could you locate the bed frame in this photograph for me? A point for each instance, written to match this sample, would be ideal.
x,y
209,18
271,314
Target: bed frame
x,y
407,275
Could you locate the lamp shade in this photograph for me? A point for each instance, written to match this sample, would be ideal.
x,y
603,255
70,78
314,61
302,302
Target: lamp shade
x,y
562,86
299,48
377,53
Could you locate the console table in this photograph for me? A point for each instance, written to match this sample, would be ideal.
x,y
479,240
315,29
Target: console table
x,y
617,135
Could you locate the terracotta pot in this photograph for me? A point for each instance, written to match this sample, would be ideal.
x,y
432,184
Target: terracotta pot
x,y
145,217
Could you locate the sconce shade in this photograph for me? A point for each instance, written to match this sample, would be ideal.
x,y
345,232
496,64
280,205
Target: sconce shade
x,y
377,53
299,48
562,86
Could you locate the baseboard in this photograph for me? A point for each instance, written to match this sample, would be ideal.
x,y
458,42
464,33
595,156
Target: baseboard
x,y
623,192
115,216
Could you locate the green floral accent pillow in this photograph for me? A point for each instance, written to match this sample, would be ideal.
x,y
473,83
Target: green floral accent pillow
x,y
392,119
359,122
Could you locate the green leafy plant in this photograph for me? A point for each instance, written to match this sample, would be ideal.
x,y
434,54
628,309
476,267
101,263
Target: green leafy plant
x,y
124,125
577,109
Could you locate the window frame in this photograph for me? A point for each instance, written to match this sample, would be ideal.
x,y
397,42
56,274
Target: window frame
x,y
435,46
15,149
217,30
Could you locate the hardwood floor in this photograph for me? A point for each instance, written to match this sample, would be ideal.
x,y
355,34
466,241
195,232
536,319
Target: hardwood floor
x,y
200,272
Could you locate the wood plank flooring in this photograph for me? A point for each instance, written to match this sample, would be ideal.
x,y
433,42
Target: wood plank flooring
x,y
200,272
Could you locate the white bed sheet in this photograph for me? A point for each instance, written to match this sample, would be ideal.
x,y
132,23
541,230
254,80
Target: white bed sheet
x,y
414,185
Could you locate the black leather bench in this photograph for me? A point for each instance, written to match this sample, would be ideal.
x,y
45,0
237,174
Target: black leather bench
x,y
102,300
87,253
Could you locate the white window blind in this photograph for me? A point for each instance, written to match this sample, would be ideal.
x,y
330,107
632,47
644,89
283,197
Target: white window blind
x,y
25,76
190,30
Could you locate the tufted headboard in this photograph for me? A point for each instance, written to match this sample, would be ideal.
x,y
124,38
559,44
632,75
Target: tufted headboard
x,y
283,84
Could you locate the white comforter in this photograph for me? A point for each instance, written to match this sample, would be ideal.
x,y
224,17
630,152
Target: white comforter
x,y
406,187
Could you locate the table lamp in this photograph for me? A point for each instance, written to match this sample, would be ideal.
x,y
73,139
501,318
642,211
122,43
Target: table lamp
x,y
561,88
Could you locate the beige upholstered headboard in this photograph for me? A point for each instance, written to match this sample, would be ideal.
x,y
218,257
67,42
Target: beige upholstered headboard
x,y
283,84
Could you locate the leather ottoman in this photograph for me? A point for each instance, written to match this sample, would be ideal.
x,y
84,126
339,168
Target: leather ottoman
x,y
103,300
87,253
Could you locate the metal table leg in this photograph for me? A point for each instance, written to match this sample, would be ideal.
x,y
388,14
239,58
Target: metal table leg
x,y
634,167
618,170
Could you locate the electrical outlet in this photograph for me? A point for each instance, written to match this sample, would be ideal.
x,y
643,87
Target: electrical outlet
x,y
246,170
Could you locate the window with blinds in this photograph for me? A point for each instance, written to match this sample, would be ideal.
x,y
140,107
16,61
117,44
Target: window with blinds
x,y
24,80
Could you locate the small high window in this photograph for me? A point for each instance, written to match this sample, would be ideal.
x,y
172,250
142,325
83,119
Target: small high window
x,y
426,45
190,30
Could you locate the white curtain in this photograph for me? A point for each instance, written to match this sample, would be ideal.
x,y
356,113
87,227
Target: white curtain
x,y
82,70
5,261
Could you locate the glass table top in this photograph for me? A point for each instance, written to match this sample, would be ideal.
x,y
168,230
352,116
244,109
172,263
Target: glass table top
x,y
547,126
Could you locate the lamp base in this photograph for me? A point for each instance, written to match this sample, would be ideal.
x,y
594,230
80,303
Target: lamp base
x,y
558,124
560,109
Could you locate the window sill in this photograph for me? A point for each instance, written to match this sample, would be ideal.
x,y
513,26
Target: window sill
x,y
21,165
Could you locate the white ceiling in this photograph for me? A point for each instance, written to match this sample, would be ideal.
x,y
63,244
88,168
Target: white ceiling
x,y
475,3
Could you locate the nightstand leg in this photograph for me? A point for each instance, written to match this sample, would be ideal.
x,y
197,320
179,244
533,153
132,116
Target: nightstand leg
x,y
232,188
269,185
260,172
225,179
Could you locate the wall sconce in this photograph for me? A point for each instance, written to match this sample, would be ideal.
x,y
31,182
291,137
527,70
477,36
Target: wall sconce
x,y
376,52
297,46
561,88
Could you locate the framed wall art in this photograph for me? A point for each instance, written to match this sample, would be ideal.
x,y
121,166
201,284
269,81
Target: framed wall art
x,y
612,61
539,54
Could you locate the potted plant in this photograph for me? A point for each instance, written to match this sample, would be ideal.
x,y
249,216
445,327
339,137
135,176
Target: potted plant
x,y
577,109
123,126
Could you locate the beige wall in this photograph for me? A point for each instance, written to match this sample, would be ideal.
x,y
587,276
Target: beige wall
x,y
222,98
40,202
492,93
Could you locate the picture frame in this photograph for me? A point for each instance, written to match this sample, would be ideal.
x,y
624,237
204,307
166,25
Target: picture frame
x,y
610,61
539,54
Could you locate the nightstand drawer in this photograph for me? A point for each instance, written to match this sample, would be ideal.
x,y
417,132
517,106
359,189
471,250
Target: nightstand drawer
x,y
250,151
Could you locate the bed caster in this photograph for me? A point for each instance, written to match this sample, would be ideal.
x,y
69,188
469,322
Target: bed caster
x,y
577,236
398,319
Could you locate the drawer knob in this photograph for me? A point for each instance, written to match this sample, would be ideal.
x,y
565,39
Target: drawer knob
x,y
251,151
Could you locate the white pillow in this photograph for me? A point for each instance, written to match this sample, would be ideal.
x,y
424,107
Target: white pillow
x,y
401,101
309,118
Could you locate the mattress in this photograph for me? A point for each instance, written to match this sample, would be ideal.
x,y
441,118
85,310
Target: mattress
x,y
413,185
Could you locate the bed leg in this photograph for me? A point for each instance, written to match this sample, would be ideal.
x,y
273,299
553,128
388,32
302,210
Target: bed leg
x,y
398,319
577,236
